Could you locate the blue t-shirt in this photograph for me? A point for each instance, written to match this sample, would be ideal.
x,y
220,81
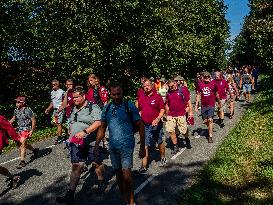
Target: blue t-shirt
x,y
120,125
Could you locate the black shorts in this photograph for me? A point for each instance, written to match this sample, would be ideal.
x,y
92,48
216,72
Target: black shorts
x,y
84,154
207,112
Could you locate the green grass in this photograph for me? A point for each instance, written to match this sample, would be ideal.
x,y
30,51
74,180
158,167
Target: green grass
x,y
241,172
38,135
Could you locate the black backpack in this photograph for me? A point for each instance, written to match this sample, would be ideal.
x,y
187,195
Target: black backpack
x,y
128,112
97,97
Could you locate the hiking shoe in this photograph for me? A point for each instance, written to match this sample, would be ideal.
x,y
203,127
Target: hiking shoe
x,y
101,187
35,153
58,140
68,198
175,149
222,125
21,164
143,170
188,143
163,162
210,140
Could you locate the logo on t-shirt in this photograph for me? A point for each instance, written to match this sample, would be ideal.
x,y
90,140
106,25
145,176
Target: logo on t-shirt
x,y
206,91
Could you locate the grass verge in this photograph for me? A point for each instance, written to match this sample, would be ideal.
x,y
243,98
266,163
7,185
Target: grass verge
x,y
241,172
38,135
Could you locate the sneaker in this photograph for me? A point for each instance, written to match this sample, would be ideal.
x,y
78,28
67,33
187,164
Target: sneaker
x,y
163,162
68,198
188,143
175,149
222,125
143,170
210,140
21,164
35,153
101,186
58,140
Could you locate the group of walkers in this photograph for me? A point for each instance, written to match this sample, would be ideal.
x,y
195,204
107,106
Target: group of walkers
x,y
93,120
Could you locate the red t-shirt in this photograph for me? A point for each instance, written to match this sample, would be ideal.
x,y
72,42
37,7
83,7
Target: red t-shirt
x,y
208,93
70,103
102,92
150,106
222,88
177,103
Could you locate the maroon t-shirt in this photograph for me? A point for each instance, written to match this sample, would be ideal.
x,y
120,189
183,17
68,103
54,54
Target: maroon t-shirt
x,y
70,103
222,88
150,106
208,93
178,103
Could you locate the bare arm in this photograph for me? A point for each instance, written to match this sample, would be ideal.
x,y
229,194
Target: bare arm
x,y
101,133
141,128
167,108
33,125
12,120
190,108
49,108
198,96
94,126
64,103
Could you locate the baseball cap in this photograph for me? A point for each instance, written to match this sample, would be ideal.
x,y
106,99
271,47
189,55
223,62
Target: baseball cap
x,y
20,99
206,74
179,78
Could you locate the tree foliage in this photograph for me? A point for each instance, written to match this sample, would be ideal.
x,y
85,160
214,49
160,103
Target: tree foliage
x,y
45,39
255,39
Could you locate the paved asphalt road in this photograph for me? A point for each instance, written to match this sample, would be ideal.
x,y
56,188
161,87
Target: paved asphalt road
x,y
46,177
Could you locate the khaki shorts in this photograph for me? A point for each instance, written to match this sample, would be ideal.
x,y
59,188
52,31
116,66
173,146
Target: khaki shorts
x,y
179,122
223,108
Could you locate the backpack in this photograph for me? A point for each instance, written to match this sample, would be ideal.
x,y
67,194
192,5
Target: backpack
x,y
97,97
246,79
128,112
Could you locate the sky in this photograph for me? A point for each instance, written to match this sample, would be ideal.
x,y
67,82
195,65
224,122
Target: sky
x,y
237,9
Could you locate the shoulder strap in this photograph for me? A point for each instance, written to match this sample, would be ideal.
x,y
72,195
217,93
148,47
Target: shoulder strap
x,y
182,95
127,110
108,108
90,106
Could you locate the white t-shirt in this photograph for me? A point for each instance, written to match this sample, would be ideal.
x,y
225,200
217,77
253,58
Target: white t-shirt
x,y
57,98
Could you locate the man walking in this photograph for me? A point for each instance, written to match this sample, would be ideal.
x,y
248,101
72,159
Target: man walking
x,y
121,117
84,121
177,101
222,89
151,107
57,95
26,124
207,92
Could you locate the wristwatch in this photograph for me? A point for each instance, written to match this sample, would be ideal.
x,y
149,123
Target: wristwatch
x,y
85,131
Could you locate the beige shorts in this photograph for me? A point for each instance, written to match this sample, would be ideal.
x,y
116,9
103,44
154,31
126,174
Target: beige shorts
x,y
179,122
224,103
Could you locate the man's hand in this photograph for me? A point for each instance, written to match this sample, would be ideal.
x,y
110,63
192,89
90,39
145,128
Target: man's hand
x,y
155,122
30,133
80,135
142,152
47,111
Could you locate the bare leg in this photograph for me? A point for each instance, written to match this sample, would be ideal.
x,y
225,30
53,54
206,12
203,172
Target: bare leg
x,y
145,159
173,138
161,150
128,184
22,149
75,175
59,129
99,171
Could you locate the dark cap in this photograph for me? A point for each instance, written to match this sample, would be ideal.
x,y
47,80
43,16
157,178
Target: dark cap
x,y
20,99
